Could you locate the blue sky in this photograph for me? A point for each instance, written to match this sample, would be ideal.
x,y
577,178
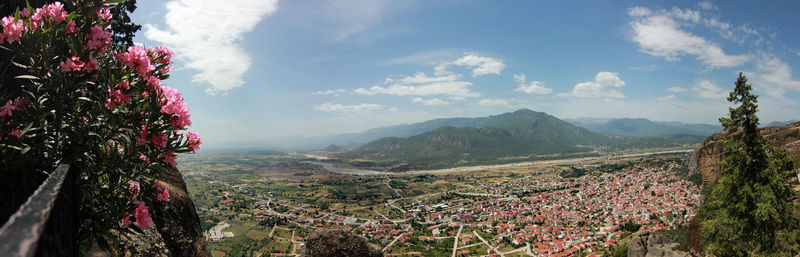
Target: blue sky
x,y
257,69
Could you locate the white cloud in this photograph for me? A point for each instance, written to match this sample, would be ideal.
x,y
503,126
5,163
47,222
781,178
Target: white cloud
x,y
479,65
343,19
775,77
660,34
331,107
362,91
430,102
443,81
707,5
604,85
421,78
667,98
494,102
449,88
677,89
334,92
423,58
206,34
709,90
535,87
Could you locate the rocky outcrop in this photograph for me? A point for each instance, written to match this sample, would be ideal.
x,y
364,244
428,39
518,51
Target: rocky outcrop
x,y
176,228
707,157
646,244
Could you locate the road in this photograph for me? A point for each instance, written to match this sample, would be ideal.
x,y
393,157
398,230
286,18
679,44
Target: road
x,y
338,168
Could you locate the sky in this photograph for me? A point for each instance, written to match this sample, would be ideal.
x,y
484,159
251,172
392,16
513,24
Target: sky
x,y
260,69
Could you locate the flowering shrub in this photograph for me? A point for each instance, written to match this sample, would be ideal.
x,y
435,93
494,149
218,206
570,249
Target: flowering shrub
x,y
102,110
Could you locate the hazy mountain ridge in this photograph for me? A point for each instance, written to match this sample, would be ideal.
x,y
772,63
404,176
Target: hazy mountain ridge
x,y
345,141
641,127
779,123
521,134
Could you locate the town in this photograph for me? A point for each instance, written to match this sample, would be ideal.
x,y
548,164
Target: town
x,y
556,210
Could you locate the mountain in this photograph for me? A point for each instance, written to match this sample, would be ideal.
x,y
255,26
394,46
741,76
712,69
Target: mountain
x,y
523,134
669,132
779,123
643,127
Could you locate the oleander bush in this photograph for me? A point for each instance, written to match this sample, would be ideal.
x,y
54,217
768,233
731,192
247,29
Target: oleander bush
x,y
75,99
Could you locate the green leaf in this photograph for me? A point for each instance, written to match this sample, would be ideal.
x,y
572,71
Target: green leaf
x,y
20,65
30,9
31,77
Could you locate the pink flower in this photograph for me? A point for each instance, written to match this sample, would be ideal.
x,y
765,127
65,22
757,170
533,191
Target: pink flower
x,y
159,141
117,96
6,109
168,157
137,58
126,219
161,54
141,139
92,64
173,105
55,12
72,64
12,30
98,38
153,81
134,188
104,14
71,27
142,215
193,141
163,194
144,158
18,133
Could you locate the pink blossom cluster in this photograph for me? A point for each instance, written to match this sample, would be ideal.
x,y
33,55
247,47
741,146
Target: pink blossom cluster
x,y
162,55
193,141
12,30
8,108
53,12
142,215
71,27
104,14
163,192
98,39
168,157
173,105
137,58
159,141
117,95
75,63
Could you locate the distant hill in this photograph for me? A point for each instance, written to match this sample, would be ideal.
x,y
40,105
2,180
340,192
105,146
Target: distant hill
x,y
521,134
354,140
643,127
779,123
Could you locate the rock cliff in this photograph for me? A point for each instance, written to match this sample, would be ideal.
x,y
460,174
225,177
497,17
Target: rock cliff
x,y
706,158
176,227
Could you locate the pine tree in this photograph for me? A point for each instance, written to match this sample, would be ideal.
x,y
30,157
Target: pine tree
x,y
748,212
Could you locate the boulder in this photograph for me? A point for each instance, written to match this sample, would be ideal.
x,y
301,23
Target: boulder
x,y
646,244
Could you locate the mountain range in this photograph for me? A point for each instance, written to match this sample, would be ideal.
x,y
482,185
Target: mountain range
x,y
640,127
523,134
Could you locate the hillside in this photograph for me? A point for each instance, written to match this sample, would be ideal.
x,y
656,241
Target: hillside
x,y
523,134
641,127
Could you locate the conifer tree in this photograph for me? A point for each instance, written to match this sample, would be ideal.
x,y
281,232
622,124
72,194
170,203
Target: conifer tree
x,y
748,212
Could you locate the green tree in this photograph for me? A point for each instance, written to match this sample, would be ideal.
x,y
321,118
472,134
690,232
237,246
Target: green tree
x,y
748,211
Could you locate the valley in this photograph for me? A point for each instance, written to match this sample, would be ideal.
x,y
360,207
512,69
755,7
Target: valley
x,y
269,203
